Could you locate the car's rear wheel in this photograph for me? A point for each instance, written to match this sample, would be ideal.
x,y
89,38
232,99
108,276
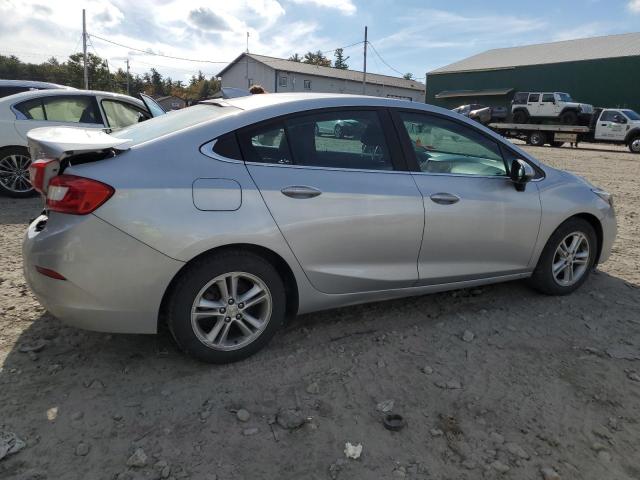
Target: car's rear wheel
x,y
567,258
226,307
14,172
520,116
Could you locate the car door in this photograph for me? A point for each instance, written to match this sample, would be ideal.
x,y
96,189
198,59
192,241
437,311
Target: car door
x,y
548,105
533,104
53,110
477,225
349,211
604,126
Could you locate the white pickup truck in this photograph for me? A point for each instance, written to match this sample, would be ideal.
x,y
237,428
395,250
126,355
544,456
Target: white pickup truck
x,y
606,125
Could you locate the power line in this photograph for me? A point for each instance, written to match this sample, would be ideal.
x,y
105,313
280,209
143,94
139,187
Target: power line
x,y
147,52
389,66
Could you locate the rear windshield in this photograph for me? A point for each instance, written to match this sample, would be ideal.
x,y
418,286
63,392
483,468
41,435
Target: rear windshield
x,y
172,122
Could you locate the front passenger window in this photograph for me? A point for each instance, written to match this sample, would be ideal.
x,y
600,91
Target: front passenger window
x,y
445,146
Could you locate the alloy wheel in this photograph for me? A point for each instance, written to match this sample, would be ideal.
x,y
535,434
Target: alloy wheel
x,y
571,259
231,311
635,145
14,173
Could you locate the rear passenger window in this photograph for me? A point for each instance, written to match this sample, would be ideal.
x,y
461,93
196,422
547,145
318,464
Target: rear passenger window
x,y
534,97
266,144
227,146
31,109
340,139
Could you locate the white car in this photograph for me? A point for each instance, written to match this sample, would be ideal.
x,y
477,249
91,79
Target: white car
x,y
528,107
22,112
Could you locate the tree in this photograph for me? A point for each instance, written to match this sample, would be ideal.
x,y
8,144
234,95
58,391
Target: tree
x,y
340,61
408,76
295,58
316,58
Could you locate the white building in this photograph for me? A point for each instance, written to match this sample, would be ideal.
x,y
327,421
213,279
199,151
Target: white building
x,y
279,75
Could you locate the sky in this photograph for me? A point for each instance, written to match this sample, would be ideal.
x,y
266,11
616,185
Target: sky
x,y
406,36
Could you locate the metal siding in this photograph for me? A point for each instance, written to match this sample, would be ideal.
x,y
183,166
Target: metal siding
x,y
611,82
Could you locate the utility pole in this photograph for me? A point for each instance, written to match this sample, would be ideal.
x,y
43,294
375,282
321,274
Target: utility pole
x,y
247,42
84,49
364,73
127,75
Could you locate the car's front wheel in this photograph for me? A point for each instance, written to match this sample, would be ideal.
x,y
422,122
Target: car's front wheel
x,y
567,258
14,172
226,307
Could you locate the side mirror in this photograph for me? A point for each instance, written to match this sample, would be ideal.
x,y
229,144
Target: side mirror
x,y
521,173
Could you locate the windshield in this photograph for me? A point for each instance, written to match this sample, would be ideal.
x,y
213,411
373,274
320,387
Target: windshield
x,y
631,115
172,122
564,97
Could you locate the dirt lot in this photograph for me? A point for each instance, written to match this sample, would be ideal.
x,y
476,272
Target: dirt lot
x,y
545,383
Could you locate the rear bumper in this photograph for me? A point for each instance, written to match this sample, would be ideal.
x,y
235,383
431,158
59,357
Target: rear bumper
x,y
114,283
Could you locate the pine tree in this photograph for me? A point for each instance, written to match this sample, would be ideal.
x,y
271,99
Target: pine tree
x,y
340,61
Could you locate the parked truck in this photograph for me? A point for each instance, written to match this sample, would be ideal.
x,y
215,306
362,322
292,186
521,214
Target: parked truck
x,y
606,125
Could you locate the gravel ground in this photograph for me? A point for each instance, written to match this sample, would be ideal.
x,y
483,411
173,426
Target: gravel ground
x,y
498,382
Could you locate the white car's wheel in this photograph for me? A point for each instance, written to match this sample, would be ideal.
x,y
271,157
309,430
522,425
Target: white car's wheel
x,y
14,172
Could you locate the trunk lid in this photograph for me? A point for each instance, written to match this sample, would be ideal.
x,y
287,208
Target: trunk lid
x,y
53,148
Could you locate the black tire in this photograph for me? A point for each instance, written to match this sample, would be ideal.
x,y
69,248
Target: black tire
x,y
569,118
23,188
338,132
537,138
543,279
520,116
556,144
634,144
191,282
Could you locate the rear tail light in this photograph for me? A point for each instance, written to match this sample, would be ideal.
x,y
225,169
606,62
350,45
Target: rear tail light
x,y
76,195
41,172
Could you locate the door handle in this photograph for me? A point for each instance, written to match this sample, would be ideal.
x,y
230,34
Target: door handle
x,y
300,191
445,198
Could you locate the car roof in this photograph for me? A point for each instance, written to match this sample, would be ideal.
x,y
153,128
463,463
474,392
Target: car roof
x,y
19,97
32,84
312,100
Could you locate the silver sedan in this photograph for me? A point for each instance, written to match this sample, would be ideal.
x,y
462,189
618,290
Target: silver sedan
x,y
226,218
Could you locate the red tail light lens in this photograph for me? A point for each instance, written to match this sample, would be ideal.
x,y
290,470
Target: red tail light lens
x,y
76,195
41,171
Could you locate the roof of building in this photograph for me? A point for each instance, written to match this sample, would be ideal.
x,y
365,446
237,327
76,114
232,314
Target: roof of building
x,y
308,69
610,46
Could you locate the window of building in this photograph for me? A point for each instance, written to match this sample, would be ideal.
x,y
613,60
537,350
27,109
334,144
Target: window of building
x,y
307,84
283,81
445,146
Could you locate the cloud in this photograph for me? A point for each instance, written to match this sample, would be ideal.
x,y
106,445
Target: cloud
x,y
634,6
344,6
585,30
179,28
206,19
